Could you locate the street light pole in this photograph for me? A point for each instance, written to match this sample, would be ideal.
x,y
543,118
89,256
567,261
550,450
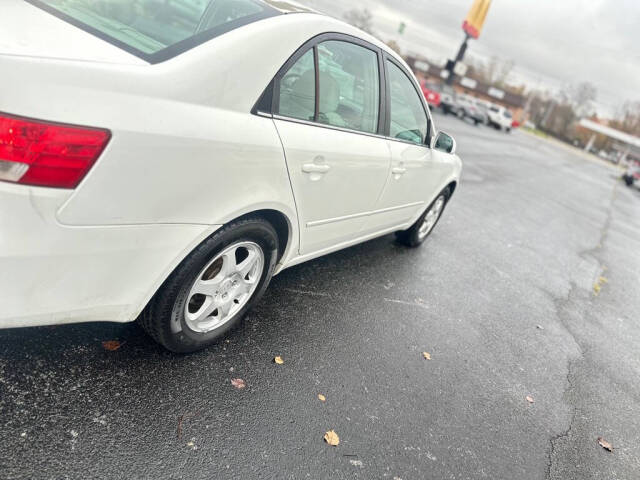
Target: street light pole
x,y
451,65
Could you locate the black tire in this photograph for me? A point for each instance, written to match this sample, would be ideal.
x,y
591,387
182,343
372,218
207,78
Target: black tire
x,y
167,307
508,129
476,122
412,237
628,179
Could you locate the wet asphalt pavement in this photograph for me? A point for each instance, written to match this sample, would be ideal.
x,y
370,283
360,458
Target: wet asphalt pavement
x,y
501,295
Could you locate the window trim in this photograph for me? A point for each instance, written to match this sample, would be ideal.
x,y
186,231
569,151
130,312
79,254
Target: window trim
x,y
267,105
423,101
168,52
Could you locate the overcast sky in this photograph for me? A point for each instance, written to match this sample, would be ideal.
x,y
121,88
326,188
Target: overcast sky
x,y
552,42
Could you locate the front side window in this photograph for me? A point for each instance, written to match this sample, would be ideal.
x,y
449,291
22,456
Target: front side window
x,y
147,27
349,86
408,118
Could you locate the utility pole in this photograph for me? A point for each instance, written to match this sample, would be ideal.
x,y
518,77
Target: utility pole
x,y
472,26
451,65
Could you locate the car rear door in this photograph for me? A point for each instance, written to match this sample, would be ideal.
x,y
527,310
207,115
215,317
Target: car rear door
x,y
338,161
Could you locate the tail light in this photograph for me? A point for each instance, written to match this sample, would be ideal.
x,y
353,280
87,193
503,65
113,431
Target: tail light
x,y
33,152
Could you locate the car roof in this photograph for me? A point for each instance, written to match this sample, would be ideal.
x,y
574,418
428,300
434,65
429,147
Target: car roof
x,y
287,6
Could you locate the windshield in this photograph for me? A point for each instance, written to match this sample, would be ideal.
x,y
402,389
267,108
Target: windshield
x,y
148,27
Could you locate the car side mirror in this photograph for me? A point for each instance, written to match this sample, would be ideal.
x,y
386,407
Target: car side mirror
x,y
444,143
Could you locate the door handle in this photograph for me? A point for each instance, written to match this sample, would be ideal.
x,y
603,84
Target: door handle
x,y
398,170
315,168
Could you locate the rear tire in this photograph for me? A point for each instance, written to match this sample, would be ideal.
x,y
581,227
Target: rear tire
x,y
415,235
628,179
233,268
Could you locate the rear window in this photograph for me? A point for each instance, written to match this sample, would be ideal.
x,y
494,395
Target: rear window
x,y
156,30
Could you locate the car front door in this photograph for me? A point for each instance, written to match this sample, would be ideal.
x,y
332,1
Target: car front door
x,y
416,170
327,104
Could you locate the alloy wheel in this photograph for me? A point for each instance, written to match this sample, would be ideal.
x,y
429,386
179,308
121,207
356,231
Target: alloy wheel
x,y
431,217
224,287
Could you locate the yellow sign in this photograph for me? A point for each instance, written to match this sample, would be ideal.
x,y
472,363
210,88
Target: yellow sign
x,y
475,18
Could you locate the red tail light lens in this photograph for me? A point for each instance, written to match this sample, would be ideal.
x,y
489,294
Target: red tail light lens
x,y
33,152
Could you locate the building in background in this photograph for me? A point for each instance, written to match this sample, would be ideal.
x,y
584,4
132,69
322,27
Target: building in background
x,y
515,102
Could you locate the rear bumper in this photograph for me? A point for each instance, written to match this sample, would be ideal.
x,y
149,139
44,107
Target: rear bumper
x,y
52,274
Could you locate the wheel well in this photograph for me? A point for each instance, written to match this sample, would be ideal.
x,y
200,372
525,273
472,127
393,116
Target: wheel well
x,y
452,186
279,222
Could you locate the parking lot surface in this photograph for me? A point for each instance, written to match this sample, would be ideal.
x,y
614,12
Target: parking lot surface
x,y
529,286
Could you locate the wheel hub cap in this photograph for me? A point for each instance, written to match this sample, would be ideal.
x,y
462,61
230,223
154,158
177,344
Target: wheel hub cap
x,y
431,217
224,287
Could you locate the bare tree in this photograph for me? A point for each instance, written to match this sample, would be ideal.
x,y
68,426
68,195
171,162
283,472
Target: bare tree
x,y
495,71
628,118
582,96
361,19
393,45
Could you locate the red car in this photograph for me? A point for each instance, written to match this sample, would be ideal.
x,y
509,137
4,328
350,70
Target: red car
x,y
431,94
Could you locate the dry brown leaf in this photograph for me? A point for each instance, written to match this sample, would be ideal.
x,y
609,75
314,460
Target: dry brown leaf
x,y
331,437
530,399
604,444
278,360
238,383
426,355
322,398
111,345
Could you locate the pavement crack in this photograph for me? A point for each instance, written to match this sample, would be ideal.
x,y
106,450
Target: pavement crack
x,y
573,414
575,298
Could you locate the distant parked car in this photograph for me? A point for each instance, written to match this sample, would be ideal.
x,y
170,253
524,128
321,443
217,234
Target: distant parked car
x,y
500,118
632,174
431,94
468,109
448,104
483,106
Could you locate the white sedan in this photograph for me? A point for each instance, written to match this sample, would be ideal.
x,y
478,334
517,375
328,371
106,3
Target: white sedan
x,y
161,161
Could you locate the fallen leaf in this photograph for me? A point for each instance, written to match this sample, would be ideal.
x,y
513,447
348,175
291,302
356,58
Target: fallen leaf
x,y
530,399
426,355
539,327
332,438
238,383
278,360
604,444
603,280
596,288
322,398
111,345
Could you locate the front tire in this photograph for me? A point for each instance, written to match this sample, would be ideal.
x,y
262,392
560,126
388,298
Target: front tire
x,y
415,235
214,287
